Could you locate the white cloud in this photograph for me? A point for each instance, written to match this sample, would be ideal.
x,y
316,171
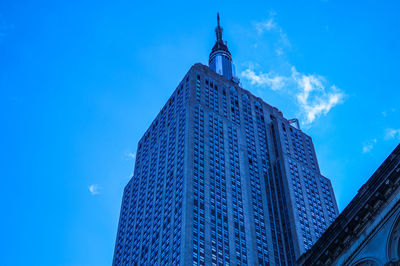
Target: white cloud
x,y
314,98
270,25
271,80
267,25
94,189
368,146
279,51
131,155
385,113
314,95
392,133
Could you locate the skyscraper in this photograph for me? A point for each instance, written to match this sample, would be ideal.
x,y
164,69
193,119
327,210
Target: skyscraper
x,y
222,178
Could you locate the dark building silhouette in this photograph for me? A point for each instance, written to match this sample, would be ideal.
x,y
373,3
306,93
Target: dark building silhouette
x,y
222,178
367,232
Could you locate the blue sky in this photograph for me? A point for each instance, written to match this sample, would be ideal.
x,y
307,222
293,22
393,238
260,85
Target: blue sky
x,y
81,81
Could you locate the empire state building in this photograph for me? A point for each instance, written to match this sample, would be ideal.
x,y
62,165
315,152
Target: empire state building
x,y
222,178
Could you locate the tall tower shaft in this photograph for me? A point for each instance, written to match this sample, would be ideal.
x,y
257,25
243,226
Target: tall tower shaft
x,y
222,178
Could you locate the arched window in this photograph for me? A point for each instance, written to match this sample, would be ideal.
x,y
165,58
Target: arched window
x,y
366,262
393,247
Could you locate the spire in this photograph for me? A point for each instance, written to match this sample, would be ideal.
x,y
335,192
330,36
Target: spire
x,y
218,30
219,44
220,58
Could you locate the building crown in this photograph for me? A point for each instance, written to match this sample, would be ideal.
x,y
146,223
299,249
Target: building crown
x,y
220,58
220,45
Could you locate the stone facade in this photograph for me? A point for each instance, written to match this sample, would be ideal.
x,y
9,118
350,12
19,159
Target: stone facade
x,y
367,232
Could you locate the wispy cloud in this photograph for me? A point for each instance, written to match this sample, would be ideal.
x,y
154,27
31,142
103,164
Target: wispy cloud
x,y
270,25
314,97
368,146
266,25
385,113
269,80
392,133
313,94
94,189
131,155
279,51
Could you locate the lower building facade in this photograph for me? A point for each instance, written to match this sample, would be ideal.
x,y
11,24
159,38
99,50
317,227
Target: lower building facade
x,y
367,232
